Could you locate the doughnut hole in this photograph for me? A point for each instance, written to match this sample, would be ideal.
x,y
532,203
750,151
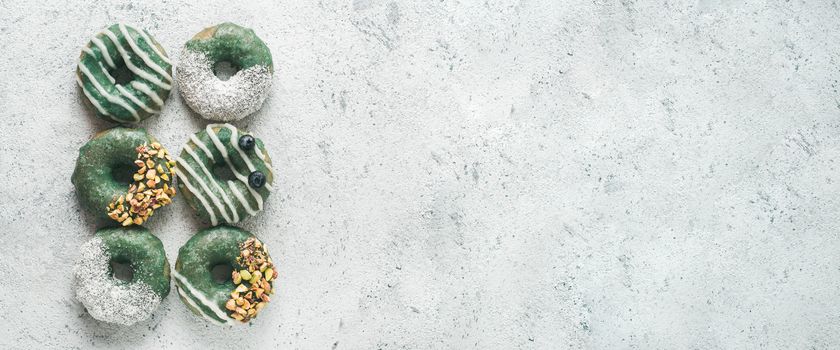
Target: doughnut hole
x,y
123,173
223,173
121,270
122,75
224,70
221,273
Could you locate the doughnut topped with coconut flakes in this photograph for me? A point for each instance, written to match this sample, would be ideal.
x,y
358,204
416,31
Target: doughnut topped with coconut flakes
x,y
240,95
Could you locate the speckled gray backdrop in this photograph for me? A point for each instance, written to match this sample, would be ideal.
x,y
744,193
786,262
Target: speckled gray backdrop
x,y
493,175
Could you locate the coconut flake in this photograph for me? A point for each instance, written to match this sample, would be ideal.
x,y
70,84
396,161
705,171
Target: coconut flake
x,y
105,298
218,100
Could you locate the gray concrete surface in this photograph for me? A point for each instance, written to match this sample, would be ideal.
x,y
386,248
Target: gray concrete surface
x,y
490,175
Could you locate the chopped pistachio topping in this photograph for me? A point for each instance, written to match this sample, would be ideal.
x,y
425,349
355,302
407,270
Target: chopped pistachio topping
x,y
253,281
150,189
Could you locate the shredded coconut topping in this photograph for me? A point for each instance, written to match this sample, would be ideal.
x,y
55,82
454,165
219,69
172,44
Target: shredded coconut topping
x,y
233,99
104,297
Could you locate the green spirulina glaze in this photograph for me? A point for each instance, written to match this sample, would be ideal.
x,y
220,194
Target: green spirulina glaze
x,y
110,151
141,250
122,47
214,199
232,43
210,247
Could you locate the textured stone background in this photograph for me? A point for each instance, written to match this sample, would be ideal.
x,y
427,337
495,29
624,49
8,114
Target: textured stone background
x,y
535,174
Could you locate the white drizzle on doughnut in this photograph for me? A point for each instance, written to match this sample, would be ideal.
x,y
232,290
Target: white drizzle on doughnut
x,y
191,303
203,147
194,177
105,71
92,100
196,181
215,184
201,298
234,138
221,147
259,153
183,177
222,150
87,50
134,99
110,98
104,49
148,91
147,37
104,93
143,56
128,63
241,198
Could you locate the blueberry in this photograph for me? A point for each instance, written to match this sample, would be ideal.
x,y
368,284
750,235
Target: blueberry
x,y
247,142
256,179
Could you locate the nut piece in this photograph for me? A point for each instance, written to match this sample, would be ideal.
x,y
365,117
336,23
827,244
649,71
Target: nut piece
x,y
257,269
143,196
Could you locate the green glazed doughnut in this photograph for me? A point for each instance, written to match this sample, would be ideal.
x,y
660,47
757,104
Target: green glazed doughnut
x,y
112,300
224,201
124,174
124,49
239,298
242,94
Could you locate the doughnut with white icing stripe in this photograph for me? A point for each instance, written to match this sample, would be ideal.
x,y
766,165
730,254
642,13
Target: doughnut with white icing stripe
x,y
238,297
143,62
223,148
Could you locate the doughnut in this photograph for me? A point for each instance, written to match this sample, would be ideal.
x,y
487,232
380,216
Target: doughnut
x,y
214,198
113,300
133,56
244,294
124,174
215,99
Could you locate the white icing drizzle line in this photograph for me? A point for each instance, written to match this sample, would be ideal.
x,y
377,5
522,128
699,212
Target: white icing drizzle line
x,y
194,177
203,147
147,37
105,71
134,99
148,91
143,56
259,153
91,99
201,199
233,141
241,198
104,48
113,99
195,306
221,147
88,51
134,69
225,197
182,281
